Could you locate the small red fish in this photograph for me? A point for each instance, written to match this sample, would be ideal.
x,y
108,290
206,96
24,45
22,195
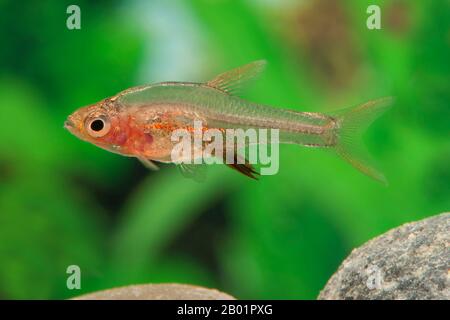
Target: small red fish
x,y
139,121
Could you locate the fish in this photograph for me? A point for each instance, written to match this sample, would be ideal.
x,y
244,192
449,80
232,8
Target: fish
x,y
139,121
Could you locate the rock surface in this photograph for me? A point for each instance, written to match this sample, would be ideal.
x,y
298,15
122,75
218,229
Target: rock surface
x,y
171,291
408,262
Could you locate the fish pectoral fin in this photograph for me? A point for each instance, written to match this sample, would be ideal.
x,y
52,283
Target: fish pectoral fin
x,y
149,164
232,81
196,172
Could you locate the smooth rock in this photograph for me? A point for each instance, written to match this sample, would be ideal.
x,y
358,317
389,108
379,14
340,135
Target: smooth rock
x,y
170,291
408,262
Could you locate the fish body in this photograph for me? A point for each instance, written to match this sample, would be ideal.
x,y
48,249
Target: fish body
x,y
139,121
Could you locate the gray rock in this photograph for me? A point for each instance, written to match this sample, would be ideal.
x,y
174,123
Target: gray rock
x,y
170,291
408,262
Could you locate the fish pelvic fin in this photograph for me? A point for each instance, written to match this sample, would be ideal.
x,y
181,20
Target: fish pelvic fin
x,y
149,164
351,124
234,80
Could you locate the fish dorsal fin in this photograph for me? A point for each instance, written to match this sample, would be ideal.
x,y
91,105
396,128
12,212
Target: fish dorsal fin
x,y
232,81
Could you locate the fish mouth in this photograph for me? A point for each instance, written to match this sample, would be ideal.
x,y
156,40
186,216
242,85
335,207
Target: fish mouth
x,y
68,124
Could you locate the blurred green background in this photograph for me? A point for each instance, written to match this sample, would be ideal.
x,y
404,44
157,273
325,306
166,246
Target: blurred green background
x,y
64,202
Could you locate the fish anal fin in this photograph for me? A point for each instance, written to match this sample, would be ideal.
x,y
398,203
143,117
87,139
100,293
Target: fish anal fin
x,y
245,169
232,81
242,165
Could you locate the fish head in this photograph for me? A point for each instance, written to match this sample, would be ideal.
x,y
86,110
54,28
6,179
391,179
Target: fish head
x,y
99,124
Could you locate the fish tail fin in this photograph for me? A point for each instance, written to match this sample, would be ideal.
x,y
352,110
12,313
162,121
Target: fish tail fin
x,y
351,124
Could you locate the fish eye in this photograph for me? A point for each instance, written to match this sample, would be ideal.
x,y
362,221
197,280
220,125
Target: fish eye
x,y
98,126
